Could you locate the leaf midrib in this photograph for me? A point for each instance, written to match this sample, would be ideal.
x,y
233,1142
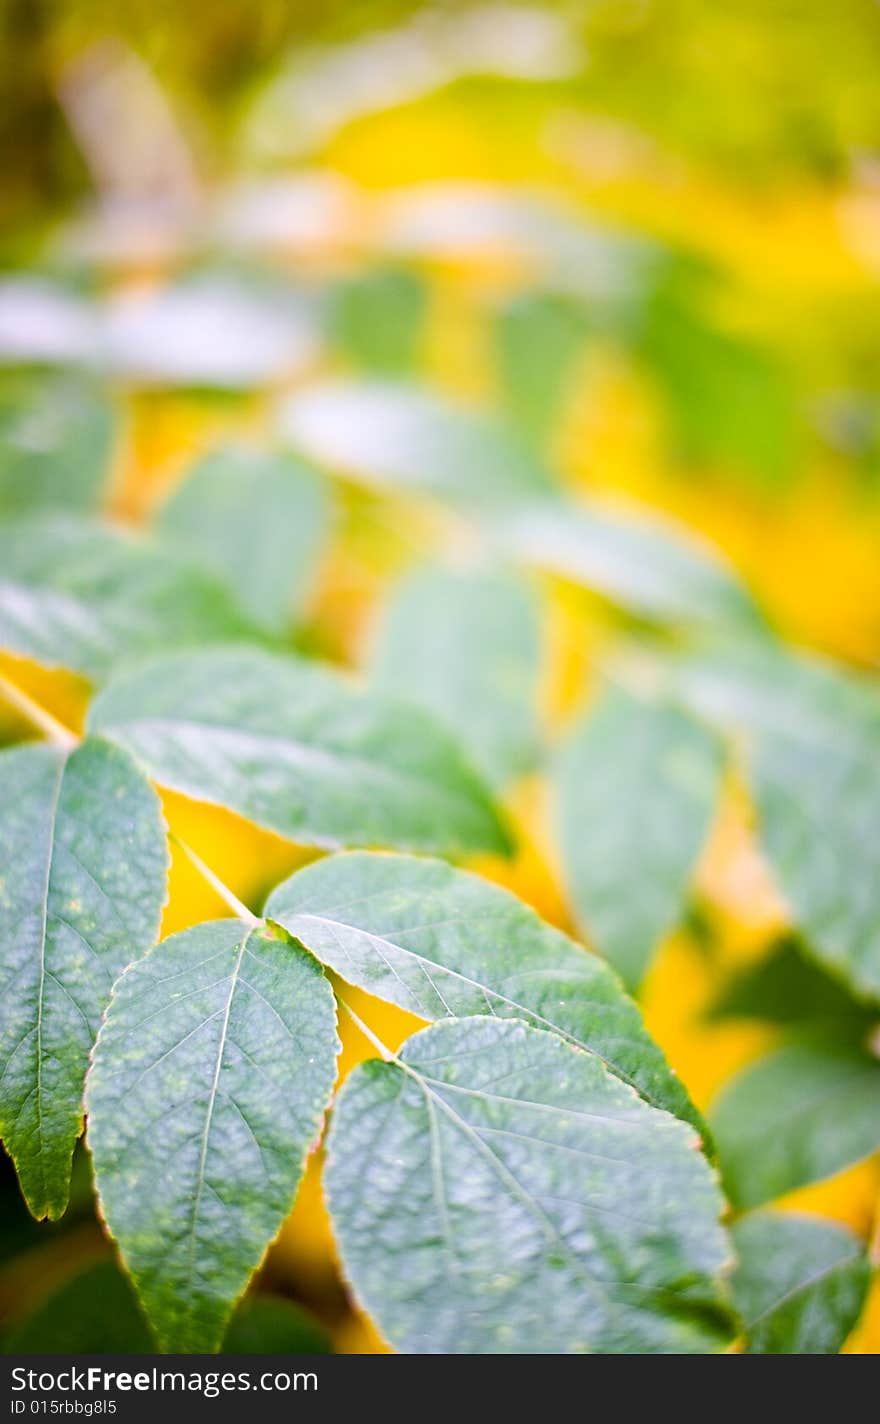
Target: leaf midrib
x,y
801,1286
604,1288
44,928
486,990
343,761
212,1099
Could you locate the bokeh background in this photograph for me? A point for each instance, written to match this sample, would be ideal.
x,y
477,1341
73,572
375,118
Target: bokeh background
x,y
645,233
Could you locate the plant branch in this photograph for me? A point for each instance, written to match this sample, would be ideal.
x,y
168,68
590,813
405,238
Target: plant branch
x,y
381,1048
51,728
228,896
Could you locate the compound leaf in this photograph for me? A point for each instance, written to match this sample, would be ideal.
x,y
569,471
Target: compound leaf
x,y
82,846
301,750
636,787
443,943
210,1078
799,1283
497,1191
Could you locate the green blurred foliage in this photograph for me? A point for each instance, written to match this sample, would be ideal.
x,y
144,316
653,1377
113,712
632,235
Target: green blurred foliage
x,y
794,90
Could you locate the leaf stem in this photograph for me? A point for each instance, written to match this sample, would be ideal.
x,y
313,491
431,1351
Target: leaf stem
x,y
51,728
381,1048
226,895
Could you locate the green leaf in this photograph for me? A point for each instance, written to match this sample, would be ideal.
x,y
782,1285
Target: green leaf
x,y
256,521
55,445
649,566
636,786
442,943
406,437
19,1231
44,322
301,750
604,268
209,330
497,1191
467,647
96,1313
268,1325
817,808
799,1284
378,318
812,753
731,400
209,1082
539,338
796,1116
84,863
785,987
85,595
